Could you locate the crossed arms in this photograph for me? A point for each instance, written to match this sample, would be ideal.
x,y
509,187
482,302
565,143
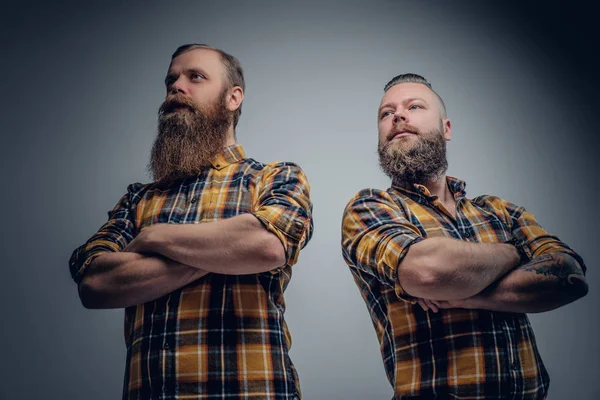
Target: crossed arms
x,y
165,257
119,267
441,272
489,276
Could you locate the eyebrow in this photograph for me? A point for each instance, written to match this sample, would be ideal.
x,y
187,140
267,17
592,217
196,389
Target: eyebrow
x,y
390,104
192,70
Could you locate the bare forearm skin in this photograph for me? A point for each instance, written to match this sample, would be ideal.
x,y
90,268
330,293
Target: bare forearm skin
x,y
237,246
119,280
545,283
449,269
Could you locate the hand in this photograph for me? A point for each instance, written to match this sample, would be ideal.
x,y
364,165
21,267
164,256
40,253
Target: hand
x,y
141,243
195,273
436,305
428,305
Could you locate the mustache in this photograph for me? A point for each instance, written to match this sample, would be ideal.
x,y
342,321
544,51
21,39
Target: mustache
x,y
173,102
403,127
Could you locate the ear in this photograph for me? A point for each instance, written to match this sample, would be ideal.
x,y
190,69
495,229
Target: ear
x,y
235,96
447,129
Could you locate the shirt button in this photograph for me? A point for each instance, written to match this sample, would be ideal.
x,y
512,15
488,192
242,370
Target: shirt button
x,y
194,199
218,166
166,346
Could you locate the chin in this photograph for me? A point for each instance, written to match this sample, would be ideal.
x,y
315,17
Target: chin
x,y
400,143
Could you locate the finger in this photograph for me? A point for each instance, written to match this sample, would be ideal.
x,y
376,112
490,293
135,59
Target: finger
x,y
422,304
442,304
432,306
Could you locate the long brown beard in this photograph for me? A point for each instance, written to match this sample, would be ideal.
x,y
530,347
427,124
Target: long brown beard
x,y
424,162
189,137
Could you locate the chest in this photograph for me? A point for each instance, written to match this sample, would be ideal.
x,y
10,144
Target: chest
x,y
210,197
460,220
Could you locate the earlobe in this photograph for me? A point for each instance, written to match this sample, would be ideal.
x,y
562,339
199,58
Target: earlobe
x,y
235,98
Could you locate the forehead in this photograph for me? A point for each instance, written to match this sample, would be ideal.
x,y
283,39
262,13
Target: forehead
x,y
404,91
207,60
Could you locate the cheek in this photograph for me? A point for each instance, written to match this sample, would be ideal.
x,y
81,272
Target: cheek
x,y
383,129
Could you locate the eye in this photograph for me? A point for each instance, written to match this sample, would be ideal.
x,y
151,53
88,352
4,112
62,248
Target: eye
x,y
169,81
196,76
385,114
414,106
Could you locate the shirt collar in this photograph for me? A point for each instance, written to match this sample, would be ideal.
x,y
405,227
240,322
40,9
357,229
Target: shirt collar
x,y
456,186
229,155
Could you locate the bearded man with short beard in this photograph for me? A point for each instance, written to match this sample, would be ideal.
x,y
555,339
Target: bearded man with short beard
x,y
201,256
448,280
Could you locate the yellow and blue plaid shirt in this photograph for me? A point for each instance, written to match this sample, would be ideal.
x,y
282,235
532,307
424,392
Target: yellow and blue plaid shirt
x,y
455,353
222,336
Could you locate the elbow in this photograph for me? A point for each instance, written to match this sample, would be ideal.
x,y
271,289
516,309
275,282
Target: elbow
x,y
418,271
273,252
576,284
580,287
426,278
89,294
420,278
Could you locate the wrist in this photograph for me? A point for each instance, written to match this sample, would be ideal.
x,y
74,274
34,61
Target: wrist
x,y
518,255
151,238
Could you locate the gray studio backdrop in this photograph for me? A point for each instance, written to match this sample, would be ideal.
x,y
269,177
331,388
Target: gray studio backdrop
x,y
81,86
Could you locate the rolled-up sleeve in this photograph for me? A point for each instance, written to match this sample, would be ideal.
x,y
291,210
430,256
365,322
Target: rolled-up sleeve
x,y
113,236
531,239
283,206
376,235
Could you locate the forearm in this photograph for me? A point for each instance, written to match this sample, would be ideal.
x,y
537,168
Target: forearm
x,y
545,283
236,246
118,280
449,269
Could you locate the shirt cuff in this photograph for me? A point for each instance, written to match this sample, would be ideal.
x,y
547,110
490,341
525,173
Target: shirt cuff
x,y
292,234
400,292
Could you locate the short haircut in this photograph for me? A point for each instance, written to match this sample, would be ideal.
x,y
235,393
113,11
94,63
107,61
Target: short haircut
x,y
233,69
414,78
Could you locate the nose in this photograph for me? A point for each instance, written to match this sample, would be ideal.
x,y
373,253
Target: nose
x,y
178,86
399,116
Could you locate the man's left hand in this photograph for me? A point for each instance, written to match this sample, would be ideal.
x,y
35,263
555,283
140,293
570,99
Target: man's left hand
x,y
141,243
436,305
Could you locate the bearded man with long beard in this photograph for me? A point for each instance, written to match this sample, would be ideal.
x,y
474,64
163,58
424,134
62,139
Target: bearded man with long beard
x,y
448,280
201,256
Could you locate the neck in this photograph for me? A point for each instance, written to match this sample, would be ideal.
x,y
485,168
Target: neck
x,y
230,141
440,189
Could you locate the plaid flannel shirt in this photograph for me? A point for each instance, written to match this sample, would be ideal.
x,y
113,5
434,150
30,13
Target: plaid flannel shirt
x,y
455,353
222,336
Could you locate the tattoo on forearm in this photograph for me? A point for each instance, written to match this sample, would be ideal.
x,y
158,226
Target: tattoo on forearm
x,y
564,268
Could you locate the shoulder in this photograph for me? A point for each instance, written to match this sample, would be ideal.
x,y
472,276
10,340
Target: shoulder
x,y
498,205
282,169
135,189
372,197
259,165
277,166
